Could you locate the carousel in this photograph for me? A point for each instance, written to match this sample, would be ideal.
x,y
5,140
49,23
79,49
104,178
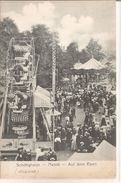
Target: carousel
x,y
88,73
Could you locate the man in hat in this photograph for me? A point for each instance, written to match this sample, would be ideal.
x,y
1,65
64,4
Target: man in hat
x,y
19,156
27,155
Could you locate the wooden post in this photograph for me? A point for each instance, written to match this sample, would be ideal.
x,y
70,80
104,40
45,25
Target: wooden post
x,y
34,124
33,88
53,81
4,112
34,128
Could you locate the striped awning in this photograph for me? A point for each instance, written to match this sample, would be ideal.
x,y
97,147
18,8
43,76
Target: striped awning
x,y
43,91
41,99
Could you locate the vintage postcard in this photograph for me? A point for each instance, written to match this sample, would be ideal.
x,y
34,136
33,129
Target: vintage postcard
x,y
58,89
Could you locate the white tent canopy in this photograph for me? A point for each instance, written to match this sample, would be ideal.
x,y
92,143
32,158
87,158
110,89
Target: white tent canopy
x,y
42,98
43,91
91,64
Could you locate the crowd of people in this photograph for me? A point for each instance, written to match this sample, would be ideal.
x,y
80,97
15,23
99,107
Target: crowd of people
x,y
23,155
41,154
99,122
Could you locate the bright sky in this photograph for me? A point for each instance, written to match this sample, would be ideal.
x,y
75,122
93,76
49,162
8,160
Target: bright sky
x,y
73,20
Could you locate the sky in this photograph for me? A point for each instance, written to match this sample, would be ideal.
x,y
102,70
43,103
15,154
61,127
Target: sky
x,y
73,20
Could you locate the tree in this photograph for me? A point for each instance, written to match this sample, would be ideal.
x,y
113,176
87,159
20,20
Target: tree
x,y
8,29
26,34
73,53
84,56
94,49
68,59
43,47
9,26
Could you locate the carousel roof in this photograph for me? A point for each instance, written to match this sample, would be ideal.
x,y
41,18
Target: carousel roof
x,y
78,66
91,64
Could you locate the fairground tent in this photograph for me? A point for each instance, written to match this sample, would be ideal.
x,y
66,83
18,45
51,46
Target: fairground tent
x,y
43,91
41,98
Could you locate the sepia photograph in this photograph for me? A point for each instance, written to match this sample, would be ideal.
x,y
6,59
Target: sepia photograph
x,y
57,81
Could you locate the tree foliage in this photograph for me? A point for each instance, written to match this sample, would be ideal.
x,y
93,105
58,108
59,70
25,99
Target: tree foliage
x,y
73,53
8,29
94,49
84,56
65,59
43,47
